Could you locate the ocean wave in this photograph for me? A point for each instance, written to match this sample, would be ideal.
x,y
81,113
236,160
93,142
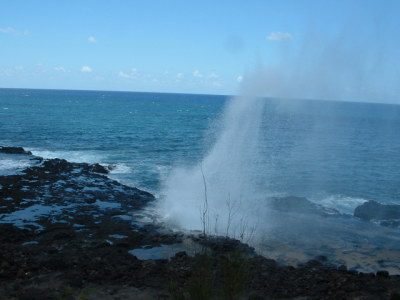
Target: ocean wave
x,y
12,166
120,168
79,156
342,203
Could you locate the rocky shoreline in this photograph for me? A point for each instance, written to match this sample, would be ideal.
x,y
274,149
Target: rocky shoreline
x,y
67,231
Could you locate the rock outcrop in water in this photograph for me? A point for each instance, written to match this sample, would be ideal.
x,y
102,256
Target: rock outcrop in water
x,y
386,215
14,150
67,231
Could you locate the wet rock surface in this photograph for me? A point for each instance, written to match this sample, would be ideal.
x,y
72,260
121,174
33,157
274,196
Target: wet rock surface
x,y
14,150
386,215
66,231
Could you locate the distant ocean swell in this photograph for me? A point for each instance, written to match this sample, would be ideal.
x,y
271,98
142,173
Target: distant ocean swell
x,y
337,155
330,152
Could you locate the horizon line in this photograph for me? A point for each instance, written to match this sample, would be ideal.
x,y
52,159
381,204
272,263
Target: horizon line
x,y
116,91
199,94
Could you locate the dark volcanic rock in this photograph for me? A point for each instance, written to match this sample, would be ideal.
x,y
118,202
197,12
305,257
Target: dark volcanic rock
x,y
65,192
14,150
111,167
57,165
374,210
99,169
76,243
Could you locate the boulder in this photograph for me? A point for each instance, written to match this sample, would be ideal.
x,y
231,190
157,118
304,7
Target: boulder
x,y
111,167
374,210
14,150
99,169
57,165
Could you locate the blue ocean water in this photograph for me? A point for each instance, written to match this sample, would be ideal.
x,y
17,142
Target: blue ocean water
x,y
338,154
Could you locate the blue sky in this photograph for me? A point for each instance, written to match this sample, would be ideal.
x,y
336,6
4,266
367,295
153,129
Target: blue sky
x,y
329,49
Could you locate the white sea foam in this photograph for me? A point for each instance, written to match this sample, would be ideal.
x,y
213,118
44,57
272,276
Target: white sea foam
x,y
343,204
72,156
120,168
14,164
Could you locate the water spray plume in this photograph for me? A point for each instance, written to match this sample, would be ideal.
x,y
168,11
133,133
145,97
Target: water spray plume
x,y
202,196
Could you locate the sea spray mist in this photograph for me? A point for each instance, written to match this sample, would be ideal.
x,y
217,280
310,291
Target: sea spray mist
x,y
219,193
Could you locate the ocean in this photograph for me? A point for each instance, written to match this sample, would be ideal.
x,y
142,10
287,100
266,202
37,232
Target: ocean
x,y
143,134
336,154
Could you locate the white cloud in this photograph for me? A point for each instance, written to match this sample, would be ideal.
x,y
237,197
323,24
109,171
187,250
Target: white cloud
x,y
86,69
12,71
213,76
239,78
7,30
123,74
279,36
13,31
179,75
133,73
92,39
59,69
40,68
197,74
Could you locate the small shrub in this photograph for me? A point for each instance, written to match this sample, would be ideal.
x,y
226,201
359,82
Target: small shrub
x,y
65,293
175,291
201,282
85,293
234,271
